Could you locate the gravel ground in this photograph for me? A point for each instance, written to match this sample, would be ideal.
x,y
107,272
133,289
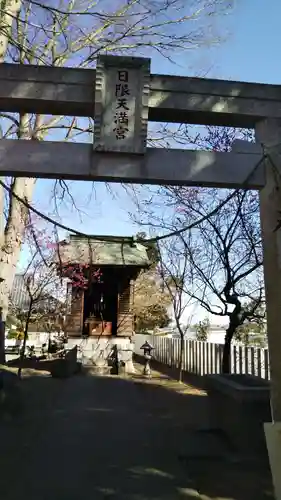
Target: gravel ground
x,y
108,437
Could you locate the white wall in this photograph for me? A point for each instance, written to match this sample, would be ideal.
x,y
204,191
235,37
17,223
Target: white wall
x,y
216,334
34,338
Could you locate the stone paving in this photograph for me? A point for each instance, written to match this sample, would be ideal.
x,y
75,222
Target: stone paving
x,y
121,438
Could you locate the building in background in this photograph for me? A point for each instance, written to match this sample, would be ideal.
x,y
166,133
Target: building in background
x,y
19,296
216,333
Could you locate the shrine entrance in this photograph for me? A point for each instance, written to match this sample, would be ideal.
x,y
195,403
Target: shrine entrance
x,y
100,308
126,97
102,272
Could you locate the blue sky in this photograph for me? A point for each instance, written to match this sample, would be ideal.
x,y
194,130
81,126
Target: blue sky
x,y
250,53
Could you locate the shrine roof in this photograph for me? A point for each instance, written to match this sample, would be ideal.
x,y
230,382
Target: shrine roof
x,y
108,250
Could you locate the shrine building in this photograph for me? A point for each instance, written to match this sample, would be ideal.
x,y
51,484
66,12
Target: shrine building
x,y
101,274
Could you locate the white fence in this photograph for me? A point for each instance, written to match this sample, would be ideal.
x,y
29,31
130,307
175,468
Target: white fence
x,y
205,358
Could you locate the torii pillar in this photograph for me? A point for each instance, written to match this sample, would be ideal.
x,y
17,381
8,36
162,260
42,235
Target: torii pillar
x,y
268,133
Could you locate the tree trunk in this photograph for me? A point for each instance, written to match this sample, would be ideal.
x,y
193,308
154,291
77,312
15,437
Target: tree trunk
x,y
2,339
226,349
10,247
22,352
8,13
181,358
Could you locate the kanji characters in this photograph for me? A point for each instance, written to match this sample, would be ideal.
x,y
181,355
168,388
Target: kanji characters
x,y
122,90
120,132
123,75
122,103
121,119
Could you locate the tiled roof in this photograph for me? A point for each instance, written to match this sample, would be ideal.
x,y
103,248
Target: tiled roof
x,y
109,250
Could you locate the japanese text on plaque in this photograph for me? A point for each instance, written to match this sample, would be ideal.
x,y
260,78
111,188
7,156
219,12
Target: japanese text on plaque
x,y
122,94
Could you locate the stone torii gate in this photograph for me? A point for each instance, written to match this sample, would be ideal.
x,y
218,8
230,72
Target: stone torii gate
x,y
122,95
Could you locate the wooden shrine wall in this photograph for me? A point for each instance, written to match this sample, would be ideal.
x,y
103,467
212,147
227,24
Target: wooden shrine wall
x,y
125,320
74,320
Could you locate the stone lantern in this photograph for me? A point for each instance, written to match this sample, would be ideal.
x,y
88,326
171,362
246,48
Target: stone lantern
x,y
147,352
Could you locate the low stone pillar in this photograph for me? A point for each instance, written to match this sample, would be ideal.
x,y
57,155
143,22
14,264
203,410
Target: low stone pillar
x,y
273,442
125,354
268,134
239,405
65,367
